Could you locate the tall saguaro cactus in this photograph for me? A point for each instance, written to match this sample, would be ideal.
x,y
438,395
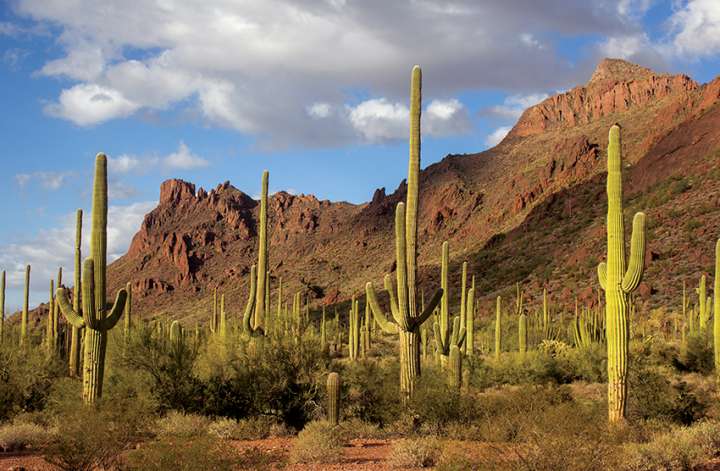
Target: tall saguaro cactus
x,y
74,357
403,306
333,398
498,327
26,308
716,309
95,317
255,309
447,333
618,282
2,306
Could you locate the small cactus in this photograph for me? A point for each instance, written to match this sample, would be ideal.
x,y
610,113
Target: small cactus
x,y
333,398
74,355
456,366
498,328
26,308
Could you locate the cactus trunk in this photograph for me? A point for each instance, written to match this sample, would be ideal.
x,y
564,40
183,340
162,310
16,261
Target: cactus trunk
x,y
333,398
26,308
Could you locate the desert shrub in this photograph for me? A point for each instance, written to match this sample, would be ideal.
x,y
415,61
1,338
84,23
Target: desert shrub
x,y
436,404
283,381
653,396
255,428
18,436
355,428
682,448
420,452
696,356
318,442
371,391
90,437
170,367
26,377
183,454
178,424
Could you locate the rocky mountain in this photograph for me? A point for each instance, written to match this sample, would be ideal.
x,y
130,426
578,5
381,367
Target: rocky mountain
x,y
530,209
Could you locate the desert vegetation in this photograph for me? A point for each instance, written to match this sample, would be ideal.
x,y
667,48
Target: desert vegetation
x,y
412,379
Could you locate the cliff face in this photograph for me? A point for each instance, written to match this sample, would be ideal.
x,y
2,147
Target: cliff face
x,y
550,164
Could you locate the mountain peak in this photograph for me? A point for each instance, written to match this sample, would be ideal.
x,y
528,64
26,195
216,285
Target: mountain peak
x,y
619,70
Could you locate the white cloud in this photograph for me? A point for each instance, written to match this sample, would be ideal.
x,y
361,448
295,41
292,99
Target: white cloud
x,y
495,137
378,119
54,247
183,159
697,29
123,164
319,110
446,117
88,104
47,180
514,105
254,66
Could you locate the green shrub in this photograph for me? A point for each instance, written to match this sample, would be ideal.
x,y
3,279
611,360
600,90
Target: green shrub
x,y
177,424
183,454
414,453
318,442
683,448
26,378
19,436
90,437
245,429
370,391
696,356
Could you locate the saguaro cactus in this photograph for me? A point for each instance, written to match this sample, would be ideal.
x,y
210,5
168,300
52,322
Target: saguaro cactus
x,y
470,325
26,307
127,321
354,330
403,306
74,356
255,312
716,308
333,398
498,328
2,306
522,334
95,317
456,366
618,282
447,334
703,304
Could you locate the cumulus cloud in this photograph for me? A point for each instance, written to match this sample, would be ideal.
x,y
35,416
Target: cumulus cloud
x,y
696,28
123,164
514,105
254,66
495,137
47,180
54,247
183,159
88,103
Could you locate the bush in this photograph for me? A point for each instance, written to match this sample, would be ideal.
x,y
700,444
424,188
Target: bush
x,y
19,436
318,442
246,429
90,437
177,424
371,391
26,378
414,453
696,356
183,454
679,449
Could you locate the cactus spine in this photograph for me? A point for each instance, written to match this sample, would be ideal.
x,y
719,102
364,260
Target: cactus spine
x,y
333,398
74,356
255,310
26,307
618,282
95,317
498,327
408,318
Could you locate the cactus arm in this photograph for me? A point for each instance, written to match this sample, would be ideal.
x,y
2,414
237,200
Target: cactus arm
x,y
401,269
116,312
459,332
434,301
248,314
378,313
602,274
393,300
66,308
635,269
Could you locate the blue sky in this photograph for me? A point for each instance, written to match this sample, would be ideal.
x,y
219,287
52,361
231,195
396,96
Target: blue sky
x,y
313,90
